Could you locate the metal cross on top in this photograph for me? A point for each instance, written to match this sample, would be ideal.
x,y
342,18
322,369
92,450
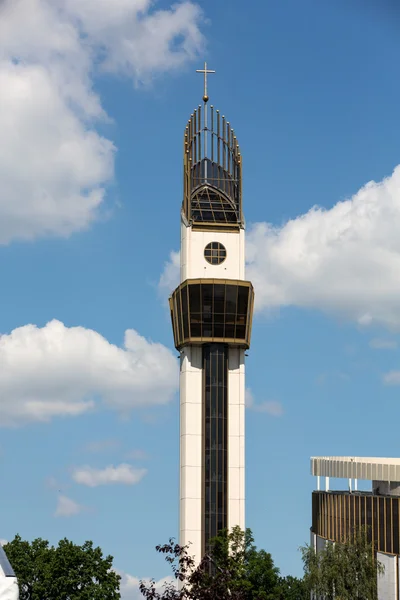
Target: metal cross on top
x,y
206,72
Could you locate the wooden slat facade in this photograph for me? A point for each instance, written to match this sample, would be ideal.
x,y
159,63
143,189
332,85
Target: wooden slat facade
x,y
335,515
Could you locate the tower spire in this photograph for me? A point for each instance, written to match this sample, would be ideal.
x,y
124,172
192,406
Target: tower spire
x,y
205,71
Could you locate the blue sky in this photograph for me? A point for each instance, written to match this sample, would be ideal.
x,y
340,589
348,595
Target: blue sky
x,y
92,118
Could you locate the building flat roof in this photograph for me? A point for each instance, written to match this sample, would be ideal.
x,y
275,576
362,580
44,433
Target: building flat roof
x,y
355,467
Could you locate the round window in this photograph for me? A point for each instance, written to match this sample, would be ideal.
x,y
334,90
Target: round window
x,y
215,253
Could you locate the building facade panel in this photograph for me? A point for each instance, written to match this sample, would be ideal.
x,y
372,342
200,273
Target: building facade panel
x,y
388,581
335,515
193,263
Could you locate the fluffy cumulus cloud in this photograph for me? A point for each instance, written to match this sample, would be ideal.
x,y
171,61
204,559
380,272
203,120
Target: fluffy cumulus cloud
x,y
56,371
344,261
66,507
121,474
54,166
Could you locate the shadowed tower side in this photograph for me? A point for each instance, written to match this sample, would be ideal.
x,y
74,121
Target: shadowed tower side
x,y
211,314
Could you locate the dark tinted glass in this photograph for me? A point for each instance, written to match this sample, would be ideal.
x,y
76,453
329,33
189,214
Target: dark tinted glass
x,y
219,299
231,298
206,299
388,526
382,524
243,300
215,374
215,195
194,298
215,253
212,310
179,315
185,314
5,564
395,540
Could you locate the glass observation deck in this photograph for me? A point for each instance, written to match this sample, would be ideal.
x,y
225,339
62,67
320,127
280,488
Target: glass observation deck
x,y
212,310
212,172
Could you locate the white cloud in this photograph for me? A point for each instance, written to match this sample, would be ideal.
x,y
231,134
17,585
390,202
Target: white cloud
x,y
170,276
392,378
383,344
122,474
136,40
56,371
249,398
270,407
3,542
344,261
54,166
66,507
130,586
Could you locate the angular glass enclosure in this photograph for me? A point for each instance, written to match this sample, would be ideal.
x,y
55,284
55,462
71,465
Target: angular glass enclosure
x,y
212,310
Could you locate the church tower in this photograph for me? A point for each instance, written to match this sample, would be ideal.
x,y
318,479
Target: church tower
x,y
211,313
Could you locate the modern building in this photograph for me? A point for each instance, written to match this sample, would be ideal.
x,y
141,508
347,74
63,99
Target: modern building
x,y
211,314
8,581
335,514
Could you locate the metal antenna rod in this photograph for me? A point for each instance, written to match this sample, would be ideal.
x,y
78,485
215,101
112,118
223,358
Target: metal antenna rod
x,y
205,72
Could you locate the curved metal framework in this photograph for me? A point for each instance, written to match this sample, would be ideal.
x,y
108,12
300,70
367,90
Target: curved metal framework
x,y
212,172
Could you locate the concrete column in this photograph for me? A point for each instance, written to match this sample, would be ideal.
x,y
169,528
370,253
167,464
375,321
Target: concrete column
x,y
236,435
191,449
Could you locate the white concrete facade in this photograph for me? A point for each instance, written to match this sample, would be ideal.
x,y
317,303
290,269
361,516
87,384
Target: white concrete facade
x,y
195,266
8,581
191,382
193,263
236,428
388,582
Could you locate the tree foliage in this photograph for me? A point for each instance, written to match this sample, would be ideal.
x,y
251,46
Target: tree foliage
x,y
233,569
343,571
65,572
292,588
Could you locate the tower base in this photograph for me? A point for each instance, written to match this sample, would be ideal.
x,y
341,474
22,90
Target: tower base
x,y
212,455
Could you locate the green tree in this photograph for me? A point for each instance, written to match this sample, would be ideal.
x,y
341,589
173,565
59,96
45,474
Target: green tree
x,y
64,572
343,571
292,588
252,571
232,569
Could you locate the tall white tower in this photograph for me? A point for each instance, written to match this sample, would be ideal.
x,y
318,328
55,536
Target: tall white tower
x,y
211,314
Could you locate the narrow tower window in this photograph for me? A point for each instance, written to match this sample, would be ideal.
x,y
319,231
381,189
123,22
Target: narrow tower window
x,y
215,435
215,253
